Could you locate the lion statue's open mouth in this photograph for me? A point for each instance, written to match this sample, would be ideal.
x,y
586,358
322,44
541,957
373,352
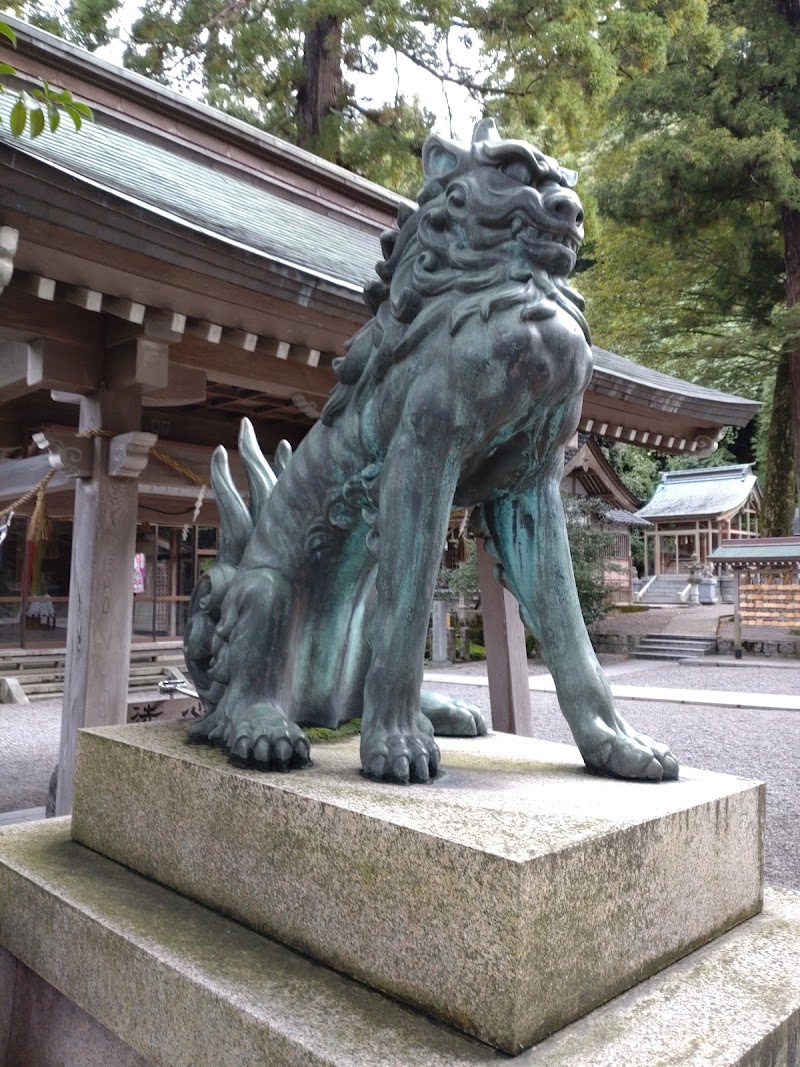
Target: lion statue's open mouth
x,y
462,389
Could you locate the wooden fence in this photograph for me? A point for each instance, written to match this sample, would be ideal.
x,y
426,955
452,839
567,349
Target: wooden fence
x,y
773,601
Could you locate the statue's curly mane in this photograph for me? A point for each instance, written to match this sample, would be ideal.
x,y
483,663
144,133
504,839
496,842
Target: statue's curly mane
x,y
449,259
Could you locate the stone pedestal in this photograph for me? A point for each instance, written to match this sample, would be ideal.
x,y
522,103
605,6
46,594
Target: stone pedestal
x,y
510,897
517,898
708,591
105,968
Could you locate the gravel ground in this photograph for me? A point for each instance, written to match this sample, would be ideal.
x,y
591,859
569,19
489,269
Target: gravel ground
x,y
29,740
535,666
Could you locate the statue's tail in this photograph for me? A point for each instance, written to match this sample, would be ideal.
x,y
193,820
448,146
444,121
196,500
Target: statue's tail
x,y
201,644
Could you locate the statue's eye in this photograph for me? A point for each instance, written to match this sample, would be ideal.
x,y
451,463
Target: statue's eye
x,y
517,170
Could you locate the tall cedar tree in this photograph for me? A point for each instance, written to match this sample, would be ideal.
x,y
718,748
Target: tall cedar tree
x,y
710,140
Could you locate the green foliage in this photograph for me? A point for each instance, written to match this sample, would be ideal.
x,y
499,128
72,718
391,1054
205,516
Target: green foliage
x,y
704,169
589,544
319,734
39,107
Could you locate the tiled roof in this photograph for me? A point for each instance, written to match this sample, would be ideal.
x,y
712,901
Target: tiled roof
x,y
703,491
758,550
621,368
620,517
219,201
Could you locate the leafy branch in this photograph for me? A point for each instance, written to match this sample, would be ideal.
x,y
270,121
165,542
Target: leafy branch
x,y
38,108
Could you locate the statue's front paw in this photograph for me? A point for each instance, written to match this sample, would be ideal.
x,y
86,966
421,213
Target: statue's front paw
x,y
626,754
452,717
393,755
262,735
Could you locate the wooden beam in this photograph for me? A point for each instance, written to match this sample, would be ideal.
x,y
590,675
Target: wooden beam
x,y
206,331
25,314
139,362
86,299
506,658
127,310
196,427
300,354
269,346
163,325
18,476
185,385
9,240
240,339
230,365
14,356
62,367
38,286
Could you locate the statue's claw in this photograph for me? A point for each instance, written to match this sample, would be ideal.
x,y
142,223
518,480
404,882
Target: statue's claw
x,y
262,735
631,755
205,729
403,757
451,716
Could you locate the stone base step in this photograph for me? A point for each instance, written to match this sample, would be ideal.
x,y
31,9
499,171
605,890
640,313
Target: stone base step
x,y
665,655
41,686
688,638
668,645
673,646
227,996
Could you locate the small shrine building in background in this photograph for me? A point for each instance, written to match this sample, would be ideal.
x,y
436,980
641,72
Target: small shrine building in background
x,y
693,511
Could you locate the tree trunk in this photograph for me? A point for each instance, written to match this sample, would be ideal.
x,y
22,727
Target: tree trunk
x,y
791,251
779,485
320,95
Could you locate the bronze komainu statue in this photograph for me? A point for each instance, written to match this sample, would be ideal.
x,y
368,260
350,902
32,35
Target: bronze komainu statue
x,y
461,391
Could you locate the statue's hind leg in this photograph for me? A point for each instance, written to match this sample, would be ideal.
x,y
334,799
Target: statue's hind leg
x,y
250,667
451,716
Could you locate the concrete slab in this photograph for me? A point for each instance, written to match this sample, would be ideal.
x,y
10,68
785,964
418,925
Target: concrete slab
x,y
509,897
711,697
185,987
50,1030
745,661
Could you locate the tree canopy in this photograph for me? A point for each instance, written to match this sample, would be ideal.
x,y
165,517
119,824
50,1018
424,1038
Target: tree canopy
x,y
682,116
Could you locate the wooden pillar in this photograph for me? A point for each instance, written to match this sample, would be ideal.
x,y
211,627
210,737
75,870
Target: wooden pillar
x,y
101,580
439,650
657,560
506,659
737,615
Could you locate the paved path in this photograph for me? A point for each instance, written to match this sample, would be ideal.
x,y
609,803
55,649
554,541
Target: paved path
x,y
698,621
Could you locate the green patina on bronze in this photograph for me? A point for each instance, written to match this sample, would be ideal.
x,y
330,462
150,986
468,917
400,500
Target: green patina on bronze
x,y
461,391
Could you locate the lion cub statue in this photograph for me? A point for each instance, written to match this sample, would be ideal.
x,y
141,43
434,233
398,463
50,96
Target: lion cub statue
x,y
462,391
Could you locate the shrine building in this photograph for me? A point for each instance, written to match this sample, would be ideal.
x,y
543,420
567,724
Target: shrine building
x,y
693,511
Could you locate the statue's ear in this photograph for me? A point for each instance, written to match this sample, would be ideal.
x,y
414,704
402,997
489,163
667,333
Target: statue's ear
x,y
439,157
